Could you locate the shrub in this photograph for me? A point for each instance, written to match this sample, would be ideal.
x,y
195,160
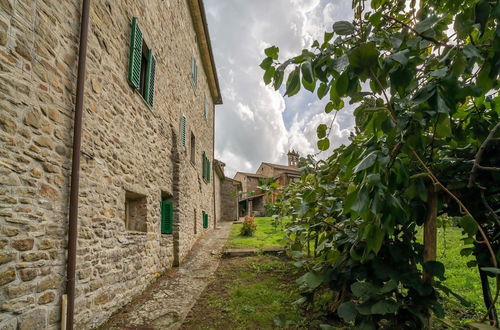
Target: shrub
x,y
249,227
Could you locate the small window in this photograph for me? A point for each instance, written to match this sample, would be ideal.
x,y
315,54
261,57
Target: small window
x,y
194,73
195,222
193,148
205,219
183,132
135,212
205,111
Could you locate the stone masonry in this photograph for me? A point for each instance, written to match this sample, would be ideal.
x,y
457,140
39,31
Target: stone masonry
x,y
127,148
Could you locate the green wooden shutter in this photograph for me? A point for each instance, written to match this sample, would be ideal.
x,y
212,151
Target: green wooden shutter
x,y
205,220
208,170
149,92
183,132
134,65
203,165
167,217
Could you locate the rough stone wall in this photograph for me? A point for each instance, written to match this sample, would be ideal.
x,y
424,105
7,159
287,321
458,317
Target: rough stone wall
x,y
219,200
266,170
126,146
229,201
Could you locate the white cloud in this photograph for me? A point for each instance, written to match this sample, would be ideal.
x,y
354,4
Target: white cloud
x,y
256,123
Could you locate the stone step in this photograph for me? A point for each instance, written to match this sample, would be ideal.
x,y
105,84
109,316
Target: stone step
x,y
232,253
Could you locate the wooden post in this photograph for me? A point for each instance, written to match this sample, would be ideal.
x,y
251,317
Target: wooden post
x,y
430,230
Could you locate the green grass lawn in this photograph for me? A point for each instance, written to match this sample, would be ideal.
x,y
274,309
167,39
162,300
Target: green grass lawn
x,y
266,236
460,278
249,293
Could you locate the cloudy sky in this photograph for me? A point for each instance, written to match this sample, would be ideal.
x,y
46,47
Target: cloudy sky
x,y
256,123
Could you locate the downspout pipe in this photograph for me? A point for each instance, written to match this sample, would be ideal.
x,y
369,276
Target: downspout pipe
x,y
75,167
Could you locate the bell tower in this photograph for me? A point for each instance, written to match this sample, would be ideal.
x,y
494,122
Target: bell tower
x,y
293,158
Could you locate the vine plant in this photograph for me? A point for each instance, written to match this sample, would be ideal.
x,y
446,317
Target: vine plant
x,y
424,79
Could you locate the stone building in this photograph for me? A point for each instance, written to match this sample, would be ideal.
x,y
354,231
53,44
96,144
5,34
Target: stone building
x,y
226,194
146,192
252,199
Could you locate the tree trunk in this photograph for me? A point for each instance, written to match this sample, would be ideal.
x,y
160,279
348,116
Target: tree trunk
x,y
430,230
488,299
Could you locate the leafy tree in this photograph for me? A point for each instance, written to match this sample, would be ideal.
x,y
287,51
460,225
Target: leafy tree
x,y
424,79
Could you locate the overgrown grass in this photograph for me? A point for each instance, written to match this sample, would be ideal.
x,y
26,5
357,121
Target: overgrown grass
x,y
266,235
460,278
248,293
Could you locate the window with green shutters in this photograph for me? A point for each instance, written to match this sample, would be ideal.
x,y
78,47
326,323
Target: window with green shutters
x,y
167,217
205,167
142,65
194,72
205,220
183,132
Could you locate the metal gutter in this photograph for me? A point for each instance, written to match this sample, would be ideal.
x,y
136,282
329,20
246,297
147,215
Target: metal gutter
x,y
75,166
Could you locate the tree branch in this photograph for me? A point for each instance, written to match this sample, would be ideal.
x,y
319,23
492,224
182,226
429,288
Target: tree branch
x,y
479,156
437,42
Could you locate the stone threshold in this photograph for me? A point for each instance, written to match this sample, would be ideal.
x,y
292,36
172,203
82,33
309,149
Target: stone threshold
x,y
234,253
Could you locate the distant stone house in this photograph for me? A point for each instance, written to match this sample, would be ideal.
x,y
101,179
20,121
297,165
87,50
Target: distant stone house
x,y
146,178
226,194
252,198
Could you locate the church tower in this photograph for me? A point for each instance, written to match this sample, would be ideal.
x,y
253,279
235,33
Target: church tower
x,y
293,158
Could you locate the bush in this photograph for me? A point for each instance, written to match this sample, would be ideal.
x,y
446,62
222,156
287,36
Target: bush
x,y
249,227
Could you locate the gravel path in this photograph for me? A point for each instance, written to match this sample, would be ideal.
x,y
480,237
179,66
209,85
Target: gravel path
x,y
167,302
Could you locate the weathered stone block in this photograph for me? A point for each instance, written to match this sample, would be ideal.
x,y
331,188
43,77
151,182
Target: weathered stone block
x,y
27,274
6,123
7,6
51,282
102,298
44,142
10,324
36,319
10,231
24,244
33,118
5,257
46,297
49,192
35,256
19,290
7,275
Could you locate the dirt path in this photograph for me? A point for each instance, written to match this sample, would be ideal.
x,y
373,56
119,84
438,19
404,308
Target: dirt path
x,y
167,302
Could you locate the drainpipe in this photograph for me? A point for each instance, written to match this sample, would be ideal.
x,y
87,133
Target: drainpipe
x,y
213,171
75,167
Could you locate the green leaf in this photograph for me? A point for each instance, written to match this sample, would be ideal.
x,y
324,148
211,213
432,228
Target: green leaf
x,y
366,162
266,63
385,307
343,28
363,289
468,225
374,237
443,127
268,75
388,287
272,52
293,82
322,90
278,78
311,279
307,72
426,24
364,57
342,84
329,107
323,144
321,131
482,12
400,57
492,270
347,311
481,326
435,268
